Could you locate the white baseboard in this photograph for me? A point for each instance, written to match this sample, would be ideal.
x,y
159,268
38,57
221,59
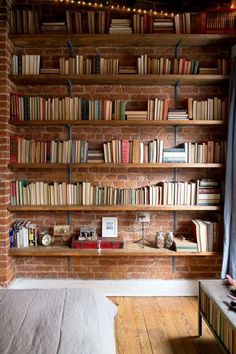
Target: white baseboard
x,y
134,287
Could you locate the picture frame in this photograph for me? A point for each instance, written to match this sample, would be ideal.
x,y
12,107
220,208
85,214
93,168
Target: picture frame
x,y
109,227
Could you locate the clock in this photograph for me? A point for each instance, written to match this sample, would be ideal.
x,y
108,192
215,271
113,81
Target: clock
x,y
45,239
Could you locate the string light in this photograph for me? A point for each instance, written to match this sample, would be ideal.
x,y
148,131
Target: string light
x,y
122,8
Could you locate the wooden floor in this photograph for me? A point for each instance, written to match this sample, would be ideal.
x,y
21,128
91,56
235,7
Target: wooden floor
x,y
160,325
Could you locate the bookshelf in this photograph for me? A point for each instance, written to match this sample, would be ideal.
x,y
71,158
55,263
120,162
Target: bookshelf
x,y
39,166
77,41
120,79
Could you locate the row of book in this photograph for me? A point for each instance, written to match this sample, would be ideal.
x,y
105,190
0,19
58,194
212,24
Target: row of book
x,y
115,151
81,65
29,21
30,151
135,151
68,108
24,233
75,108
207,235
210,109
167,66
84,193
25,64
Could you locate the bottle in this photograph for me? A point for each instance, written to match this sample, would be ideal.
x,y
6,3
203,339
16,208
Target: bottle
x,y
159,239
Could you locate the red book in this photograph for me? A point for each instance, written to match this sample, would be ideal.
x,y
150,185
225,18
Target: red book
x,y
166,108
125,151
14,149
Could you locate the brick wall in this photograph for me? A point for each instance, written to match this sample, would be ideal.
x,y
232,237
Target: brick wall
x,y
6,263
129,228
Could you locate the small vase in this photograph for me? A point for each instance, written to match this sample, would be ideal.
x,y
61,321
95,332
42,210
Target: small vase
x,y
160,239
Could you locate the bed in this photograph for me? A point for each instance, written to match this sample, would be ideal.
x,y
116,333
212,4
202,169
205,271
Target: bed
x,y
60,321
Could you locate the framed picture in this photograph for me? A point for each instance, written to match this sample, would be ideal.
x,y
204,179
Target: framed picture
x,y
109,227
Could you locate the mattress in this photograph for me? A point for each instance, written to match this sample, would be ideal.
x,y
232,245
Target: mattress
x,y
62,321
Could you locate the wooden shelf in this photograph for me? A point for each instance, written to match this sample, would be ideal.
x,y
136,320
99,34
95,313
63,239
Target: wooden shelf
x,y
117,123
58,166
133,250
119,79
103,208
56,40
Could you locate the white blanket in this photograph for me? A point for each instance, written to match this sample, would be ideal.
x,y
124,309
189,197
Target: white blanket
x,y
60,321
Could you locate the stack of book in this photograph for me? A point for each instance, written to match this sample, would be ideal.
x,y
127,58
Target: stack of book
x,y
120,25
24,234
185,245
51,27
128,69
163,25
177,113
207,235
175,154
95,156
136,115
24,21
210,109
208,192
25,64
157,109
136,151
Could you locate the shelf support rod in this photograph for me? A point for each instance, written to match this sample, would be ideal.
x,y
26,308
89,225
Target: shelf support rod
x,y
71,48
176,93
70,88
173,264
69,263
177,47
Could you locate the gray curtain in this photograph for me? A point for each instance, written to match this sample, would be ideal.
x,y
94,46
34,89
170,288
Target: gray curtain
x,y
229,250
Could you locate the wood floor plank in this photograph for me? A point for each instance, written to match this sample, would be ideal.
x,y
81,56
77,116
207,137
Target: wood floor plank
x,y
160,325
145,344
156,327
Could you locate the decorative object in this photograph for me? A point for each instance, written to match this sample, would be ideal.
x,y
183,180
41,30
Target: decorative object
x,y
109,227
45,239
87,233
169,240
160,241
143,217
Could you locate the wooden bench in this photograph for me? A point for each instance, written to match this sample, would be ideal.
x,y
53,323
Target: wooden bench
x,y
214,308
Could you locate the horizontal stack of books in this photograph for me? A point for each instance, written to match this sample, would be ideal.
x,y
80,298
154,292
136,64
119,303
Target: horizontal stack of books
x,y
175,154
120,26
52,27
185,245
136,115
208,192
177,113
163,25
